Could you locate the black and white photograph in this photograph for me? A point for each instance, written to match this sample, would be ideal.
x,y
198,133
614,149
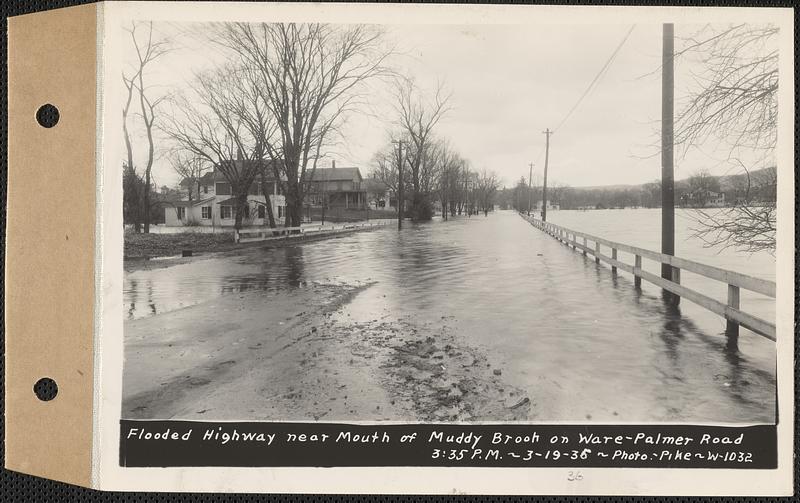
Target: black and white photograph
x,y
450,223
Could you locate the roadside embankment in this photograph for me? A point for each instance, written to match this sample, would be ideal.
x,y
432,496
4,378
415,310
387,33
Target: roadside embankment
x,y
142,246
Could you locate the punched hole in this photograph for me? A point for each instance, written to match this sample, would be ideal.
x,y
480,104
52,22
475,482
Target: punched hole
x,y
47,115
45,389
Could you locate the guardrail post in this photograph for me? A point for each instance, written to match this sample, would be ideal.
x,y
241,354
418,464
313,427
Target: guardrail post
x,y
584,246
637,267
731,327
596,252
614,256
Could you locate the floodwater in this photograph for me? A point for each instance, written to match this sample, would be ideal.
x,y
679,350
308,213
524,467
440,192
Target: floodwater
x,y
583,343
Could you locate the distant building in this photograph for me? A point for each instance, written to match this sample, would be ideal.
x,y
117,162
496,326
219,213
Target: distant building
x,y
337,188
703,199
213,203
550,205
715,199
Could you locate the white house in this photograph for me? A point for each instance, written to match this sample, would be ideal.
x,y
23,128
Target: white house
x,y
213,203
703,199
550,205
715,199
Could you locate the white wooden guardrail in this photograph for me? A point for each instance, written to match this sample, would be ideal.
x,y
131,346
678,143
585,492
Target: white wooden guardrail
x,y
249,235
735,281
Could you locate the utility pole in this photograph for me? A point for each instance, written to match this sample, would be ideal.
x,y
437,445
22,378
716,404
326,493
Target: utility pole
x,y
667,145
530,188
399,184
547,134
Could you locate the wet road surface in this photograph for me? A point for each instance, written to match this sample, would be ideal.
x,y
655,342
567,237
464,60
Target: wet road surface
x,y
583,344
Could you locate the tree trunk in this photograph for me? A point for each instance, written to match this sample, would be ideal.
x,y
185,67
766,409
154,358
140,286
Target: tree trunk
x,y
147,202
241,203
270,214
296,212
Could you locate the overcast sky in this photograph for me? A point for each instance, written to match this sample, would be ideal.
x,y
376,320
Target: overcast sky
x,y
508,84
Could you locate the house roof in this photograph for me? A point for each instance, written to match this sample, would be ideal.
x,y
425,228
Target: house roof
x,y
231,201
334,174
214,175
190,203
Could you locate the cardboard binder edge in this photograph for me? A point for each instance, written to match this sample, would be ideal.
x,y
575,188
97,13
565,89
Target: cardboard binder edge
x,y
50,243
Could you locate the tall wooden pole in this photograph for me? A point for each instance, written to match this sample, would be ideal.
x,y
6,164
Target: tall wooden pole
x,y
547,134
530,188
667,141
400,185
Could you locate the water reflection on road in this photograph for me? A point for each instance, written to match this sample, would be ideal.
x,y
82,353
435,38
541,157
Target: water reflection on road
x,y
584,343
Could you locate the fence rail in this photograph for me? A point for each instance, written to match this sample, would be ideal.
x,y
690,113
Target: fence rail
x,y
268,234
735,281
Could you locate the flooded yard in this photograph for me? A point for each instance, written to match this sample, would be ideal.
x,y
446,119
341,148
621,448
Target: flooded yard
x,y
482,318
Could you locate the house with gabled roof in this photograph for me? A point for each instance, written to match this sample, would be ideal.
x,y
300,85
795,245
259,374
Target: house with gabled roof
x,y
211,202
337,188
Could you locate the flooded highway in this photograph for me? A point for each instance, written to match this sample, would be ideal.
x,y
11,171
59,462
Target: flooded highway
x,y
581,343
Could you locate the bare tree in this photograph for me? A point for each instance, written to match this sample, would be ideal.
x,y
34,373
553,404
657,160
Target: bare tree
x,y
417,116
449,164
749,224
147,51
190,169
385,167
310,76
555,191
131,188
701,185
225,121
734,103
485,188
651,194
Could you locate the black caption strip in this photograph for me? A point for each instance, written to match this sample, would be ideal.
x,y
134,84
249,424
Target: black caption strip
x,y
196,443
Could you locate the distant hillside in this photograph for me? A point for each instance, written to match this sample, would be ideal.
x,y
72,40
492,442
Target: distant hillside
x,y
729,189
724,180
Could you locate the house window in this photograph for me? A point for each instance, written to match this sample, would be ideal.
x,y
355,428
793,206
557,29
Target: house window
x,y
223,188
225,211
280,211
181,213
262,211
206,212
205,189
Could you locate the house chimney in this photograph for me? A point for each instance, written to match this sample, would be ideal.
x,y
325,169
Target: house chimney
x,y
333,164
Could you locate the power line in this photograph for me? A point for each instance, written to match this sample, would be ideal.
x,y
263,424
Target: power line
x,y
596,79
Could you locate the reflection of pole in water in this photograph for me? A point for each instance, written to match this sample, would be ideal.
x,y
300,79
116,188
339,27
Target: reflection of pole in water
x,y
671,333
133,291
150,300
294,261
